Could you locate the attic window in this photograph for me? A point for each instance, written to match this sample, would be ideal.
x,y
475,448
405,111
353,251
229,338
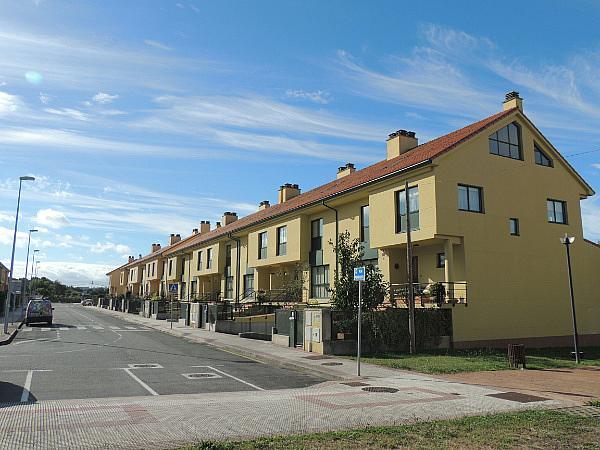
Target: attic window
x,y
506,142
541,158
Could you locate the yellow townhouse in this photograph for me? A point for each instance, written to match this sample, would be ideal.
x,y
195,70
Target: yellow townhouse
x,y
487,205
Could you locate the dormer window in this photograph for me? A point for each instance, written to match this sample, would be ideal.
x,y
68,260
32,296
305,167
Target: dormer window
x,y
541,158
507,142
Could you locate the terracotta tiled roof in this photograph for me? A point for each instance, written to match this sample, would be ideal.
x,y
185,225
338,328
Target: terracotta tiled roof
x,y
419,154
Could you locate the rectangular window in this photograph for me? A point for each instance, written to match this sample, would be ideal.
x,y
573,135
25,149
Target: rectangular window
x,y
413,200
199,266
281,241
557,211
229,287
364,223
470,198
182,266
248,284
316,235
441,260
209,258
262,245
170,267
194,288
513,226
319,282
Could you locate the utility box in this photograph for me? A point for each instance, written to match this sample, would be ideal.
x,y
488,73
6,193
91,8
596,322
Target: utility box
x,y
317,328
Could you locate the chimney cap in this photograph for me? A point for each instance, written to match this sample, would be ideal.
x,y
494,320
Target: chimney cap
x,y
218,224
511,95
397,133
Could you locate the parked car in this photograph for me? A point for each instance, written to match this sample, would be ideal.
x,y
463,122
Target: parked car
x,y
87,302
39,310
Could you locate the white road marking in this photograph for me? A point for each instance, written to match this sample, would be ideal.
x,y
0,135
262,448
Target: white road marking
x,y
232,377
27,386
141,383
131,328
81,327
96,327
64,329
114,328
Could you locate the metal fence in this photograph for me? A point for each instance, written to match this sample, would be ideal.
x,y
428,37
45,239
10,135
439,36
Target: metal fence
x,y
430,294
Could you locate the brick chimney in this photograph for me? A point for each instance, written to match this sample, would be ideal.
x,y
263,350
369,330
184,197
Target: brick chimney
x,y
263,205
218,224
287,192
174,239
155,248
194,231
131,259
345,170
400,142
512,100
204,226
229,217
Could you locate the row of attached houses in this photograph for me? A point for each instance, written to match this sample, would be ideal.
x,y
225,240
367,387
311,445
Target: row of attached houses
x,y
487,205
3,278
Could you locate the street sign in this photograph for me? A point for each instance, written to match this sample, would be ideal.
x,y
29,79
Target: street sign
x,y
173,288
359,274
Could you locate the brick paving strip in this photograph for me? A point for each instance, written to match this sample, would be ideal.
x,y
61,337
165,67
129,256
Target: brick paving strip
x,y
381,397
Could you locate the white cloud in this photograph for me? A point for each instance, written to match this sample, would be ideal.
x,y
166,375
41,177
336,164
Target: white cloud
x,y
7,235
6,217
321,97
120,249
9,103
44,98
69,112
156,44
597,166
103,98
51,218
71,273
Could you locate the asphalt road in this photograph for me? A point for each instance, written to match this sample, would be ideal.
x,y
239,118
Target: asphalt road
x,y
87,354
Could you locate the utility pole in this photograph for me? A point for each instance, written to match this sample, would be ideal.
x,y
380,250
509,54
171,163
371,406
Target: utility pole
x,y
409,266
24,281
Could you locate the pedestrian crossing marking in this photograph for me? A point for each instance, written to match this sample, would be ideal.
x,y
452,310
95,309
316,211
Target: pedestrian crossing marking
x,y
84,327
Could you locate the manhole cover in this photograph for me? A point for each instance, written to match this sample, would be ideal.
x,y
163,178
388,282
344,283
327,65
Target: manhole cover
x,y
316,357
145,366
355,383
202,375
518,397
382,389
331,364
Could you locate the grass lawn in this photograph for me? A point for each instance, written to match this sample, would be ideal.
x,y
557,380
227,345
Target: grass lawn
x,y
529,429
453,361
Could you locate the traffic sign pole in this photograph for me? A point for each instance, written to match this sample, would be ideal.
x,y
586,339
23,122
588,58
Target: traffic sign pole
x,y
358,341
360,276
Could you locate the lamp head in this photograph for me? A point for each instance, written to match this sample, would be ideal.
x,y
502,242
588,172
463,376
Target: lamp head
x,y
37,250
27,178
33,230
567,240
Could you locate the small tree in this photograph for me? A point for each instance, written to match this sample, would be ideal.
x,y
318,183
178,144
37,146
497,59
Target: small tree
x,y
344,294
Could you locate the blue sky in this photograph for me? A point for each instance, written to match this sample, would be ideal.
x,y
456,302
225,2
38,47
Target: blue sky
x,y
141,118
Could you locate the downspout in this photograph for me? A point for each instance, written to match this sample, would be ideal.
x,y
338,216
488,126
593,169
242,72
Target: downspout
x,y
337,237
237,266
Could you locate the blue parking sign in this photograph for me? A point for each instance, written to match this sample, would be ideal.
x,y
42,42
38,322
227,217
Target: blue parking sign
x,y
359,274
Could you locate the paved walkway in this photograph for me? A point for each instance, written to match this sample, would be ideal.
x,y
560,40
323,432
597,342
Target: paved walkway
x,y
381,397
571,386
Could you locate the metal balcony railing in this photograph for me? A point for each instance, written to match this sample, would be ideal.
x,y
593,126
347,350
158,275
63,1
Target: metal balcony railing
x,y
430,294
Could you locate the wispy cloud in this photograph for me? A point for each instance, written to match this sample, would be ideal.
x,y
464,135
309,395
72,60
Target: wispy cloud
x,y
51,218
103,98
69,112
321,97
156,44
9,103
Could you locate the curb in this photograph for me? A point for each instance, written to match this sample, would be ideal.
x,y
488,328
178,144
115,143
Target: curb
x,y
240,351
12,335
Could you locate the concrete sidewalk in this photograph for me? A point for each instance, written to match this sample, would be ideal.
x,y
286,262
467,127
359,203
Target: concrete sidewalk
x,y
15,319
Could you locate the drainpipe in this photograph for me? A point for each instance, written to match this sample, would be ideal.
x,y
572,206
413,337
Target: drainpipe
x,y
237,267
337,237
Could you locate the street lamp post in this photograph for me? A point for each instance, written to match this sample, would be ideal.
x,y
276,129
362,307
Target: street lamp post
x,y
12,258
33,230
568,241
33,267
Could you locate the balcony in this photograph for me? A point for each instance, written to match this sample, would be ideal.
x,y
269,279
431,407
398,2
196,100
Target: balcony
x,y
437,293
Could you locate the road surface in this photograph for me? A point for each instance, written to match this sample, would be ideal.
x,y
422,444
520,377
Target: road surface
x,y
88,354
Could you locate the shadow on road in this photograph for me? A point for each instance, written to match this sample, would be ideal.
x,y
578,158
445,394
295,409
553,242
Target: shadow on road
x,y
10,394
